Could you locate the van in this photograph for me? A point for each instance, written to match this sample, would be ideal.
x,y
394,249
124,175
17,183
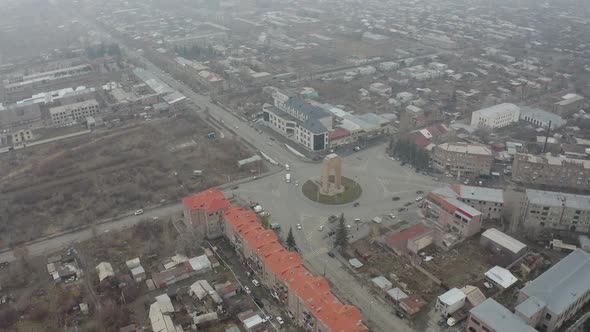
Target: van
x,y
275,226
288,177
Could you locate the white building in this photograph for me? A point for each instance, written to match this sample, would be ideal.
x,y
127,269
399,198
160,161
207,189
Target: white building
x,y
73,112
497,116
450,301
501,277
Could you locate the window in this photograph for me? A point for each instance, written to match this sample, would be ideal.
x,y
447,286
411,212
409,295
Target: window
x,y
485,329
547,316
475,321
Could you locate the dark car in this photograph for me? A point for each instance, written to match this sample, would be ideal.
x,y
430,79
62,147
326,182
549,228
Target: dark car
x,y
395,198
235,187
331,254
356,204
259,303
408,204
401,209
419,192
400,314
330,233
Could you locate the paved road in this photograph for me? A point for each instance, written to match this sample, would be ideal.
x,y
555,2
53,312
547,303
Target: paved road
x,y
381,179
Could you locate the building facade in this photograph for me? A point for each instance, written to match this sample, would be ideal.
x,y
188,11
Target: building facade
x,y
202,213
546,210
307,298
551,171
73,112
547,302
470,160
495,117
299,121
568,105
455,216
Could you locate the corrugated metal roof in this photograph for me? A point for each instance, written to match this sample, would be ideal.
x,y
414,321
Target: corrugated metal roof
x,y
452,296
550,198
504,240
564,283
501,276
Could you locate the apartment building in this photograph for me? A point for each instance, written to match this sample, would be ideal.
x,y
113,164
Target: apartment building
x,y
547,302
73,112
491,316
488,201
299,121
443,206
202,213
558,172
495,117
307,298
547,210
568,105
469,160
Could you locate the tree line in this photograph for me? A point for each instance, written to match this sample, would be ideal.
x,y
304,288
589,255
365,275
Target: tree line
x,y
410,153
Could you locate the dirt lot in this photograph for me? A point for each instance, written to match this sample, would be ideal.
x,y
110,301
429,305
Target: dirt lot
x,y
65,184
463,265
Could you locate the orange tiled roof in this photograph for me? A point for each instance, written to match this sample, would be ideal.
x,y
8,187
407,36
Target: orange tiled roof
x,y
209,200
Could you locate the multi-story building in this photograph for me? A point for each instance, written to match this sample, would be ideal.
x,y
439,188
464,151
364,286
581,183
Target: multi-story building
x,y
551,171
73,112
547,302
491,316
542,210
202,213
568,105
308,299
470,160
294,118
447,210
497,116
488,201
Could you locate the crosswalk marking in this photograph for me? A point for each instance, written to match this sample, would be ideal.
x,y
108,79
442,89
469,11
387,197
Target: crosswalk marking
x,y
315,253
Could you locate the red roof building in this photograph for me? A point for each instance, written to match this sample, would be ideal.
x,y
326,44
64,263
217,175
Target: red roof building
x,y
202,213
411,239
308,298
412,304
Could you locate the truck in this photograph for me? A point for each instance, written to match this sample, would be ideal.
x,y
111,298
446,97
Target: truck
x,y
288,177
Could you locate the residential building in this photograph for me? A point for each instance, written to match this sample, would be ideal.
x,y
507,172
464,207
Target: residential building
x,y
412,304
558,294
568,105
505,248
488,201
299,121
442,206
495,117
73,112
541,118
450,301
308,299
21,136
467,160
546,210
558,172
491,316
203,213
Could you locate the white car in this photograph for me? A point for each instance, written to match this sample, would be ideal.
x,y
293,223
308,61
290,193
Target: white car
x,y
299,226
357,219
280,320
255,282
321,228
247,290
348,227
392,216
138,212
418,199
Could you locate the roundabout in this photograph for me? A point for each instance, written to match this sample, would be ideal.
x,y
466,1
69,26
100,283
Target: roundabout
x,y
350,191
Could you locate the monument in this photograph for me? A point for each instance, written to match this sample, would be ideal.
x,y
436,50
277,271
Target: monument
x,y
332,162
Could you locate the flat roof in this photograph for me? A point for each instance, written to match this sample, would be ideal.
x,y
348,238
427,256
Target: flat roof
x,y
466,148
452,296
563,284
481,193
86,103
498,110
495,315
555,199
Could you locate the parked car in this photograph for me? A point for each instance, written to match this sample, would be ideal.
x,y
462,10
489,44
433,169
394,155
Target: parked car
x,y
280,320
331,254
395,198
299,226
392,216
321,228
418,199
255,282
356,204
400,314
247,290
357,220
419,192
138,212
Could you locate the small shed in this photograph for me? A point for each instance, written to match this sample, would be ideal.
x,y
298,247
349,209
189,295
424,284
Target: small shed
x,y
382,283
355,263
396,294
505,248
104,270
412,304
501,277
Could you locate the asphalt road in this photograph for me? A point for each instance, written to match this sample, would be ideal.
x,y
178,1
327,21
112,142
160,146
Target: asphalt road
x,y
381,179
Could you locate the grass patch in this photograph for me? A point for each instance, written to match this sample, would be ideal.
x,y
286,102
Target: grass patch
x,y
352,192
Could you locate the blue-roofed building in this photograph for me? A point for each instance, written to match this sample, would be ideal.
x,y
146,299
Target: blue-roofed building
x,y
299,121
491,316
558,294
